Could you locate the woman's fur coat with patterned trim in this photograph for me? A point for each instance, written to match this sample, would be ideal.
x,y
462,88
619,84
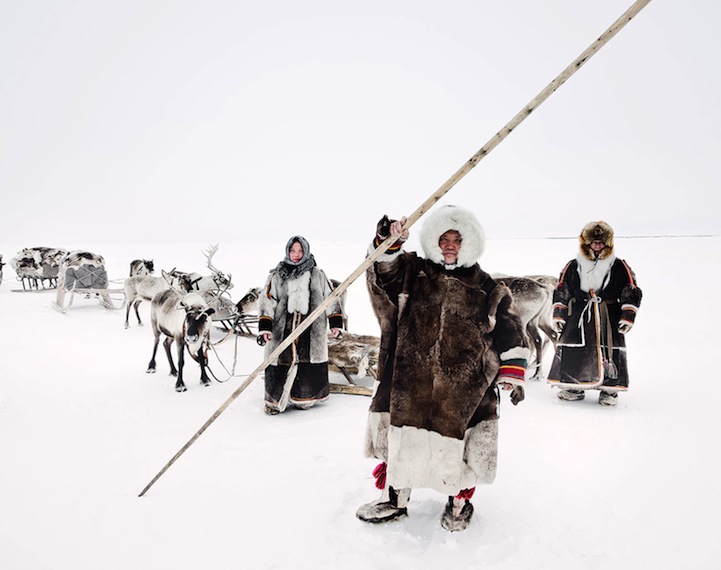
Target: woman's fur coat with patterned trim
x,y
433,418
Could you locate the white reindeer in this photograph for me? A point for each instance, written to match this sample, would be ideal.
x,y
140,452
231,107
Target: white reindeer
x,y
139,288
185,320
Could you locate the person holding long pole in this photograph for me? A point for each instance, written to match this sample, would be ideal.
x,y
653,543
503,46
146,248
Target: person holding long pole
x,y
449,339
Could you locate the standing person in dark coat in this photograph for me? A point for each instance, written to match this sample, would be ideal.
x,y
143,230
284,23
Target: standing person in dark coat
x,y
595,305
449,338
293,290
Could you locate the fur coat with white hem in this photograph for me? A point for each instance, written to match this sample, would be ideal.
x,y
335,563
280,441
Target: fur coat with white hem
x,y
444,331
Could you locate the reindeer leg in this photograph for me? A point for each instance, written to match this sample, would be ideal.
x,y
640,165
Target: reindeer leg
x,y
179,384
151,364
203,361
127,315
535,336
166,344
136,304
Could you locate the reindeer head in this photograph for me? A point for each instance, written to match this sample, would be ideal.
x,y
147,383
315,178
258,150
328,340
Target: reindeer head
x,y
178,279
197,320
248,301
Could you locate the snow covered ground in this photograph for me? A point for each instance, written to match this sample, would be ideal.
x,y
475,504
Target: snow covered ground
x,y
83,429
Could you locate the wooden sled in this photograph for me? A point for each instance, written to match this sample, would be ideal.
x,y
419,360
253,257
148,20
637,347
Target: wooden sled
x,y
353,354
103,295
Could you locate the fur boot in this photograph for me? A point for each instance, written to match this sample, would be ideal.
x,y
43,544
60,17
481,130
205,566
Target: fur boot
x,y
608,398
571,395
457,514
390,506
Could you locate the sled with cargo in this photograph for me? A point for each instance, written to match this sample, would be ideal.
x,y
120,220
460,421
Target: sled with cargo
x,y
83,274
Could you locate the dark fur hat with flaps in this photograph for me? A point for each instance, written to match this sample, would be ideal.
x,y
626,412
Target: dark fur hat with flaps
x,y
596,231
465,223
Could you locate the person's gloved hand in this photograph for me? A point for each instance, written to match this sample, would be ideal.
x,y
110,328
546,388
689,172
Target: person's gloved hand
x,y
383,228
518,394
558,325
387,227
624,326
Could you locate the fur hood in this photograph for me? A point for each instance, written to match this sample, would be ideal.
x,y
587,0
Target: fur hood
x,y
592,231
464,222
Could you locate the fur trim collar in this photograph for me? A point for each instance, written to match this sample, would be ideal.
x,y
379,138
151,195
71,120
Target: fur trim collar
x,y
594,274
464,222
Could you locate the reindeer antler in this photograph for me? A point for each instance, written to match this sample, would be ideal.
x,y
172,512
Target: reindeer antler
x,y
212,249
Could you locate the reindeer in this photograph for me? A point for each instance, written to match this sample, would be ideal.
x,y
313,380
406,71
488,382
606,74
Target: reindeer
x,y
142,267
185,320
217,280
533,301
1,268
139,288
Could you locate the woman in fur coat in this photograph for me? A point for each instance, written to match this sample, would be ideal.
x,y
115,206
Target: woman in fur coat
x,y
293,290
449,337
595,305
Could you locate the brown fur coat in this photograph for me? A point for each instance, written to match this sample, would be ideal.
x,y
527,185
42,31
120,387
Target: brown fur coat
x,y
444,332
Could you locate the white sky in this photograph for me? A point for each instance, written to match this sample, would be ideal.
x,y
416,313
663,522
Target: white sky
x,y
233,120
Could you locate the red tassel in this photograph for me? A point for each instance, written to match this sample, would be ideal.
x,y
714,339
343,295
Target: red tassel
x,y
466,494
380,474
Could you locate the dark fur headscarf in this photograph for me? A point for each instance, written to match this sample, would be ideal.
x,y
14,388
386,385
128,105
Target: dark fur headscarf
x,y
288,269
596,231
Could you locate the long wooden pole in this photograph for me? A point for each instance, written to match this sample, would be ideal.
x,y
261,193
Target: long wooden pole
x,y
560,79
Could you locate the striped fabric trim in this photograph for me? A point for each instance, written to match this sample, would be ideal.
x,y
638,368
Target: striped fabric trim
x,y
563,274
559,306
627,307
392,249
509,371
631,280
514,368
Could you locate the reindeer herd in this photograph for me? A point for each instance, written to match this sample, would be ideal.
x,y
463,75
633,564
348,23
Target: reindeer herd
x,y
183,306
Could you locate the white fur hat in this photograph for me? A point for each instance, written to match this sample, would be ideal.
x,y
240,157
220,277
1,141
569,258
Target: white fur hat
x,y
453,218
